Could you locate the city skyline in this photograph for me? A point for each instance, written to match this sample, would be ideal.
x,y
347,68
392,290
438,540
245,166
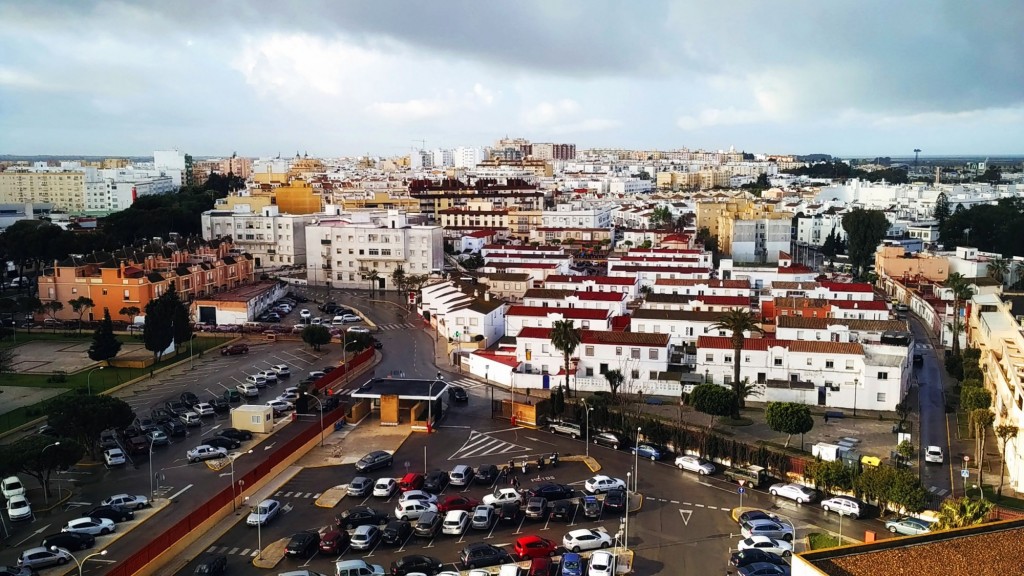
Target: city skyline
x,y
849,79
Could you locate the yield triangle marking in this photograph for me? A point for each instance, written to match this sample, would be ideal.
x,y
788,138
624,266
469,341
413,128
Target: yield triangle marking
x,y
479,444
685,515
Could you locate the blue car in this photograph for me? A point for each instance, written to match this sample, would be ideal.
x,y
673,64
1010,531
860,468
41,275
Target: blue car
x,y
572,564
647,451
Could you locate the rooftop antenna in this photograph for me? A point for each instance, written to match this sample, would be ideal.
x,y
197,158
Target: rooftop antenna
x,y
917,152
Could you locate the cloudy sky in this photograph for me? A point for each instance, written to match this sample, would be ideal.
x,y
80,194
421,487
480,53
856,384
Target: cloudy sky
x,y
347,77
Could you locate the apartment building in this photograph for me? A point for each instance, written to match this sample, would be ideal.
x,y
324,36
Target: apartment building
x,y
757,239
113,194
682,326
274,239
625,285
569,236
557,298
346,250
837,329
65,190
702,287
578,215
519,317
814,230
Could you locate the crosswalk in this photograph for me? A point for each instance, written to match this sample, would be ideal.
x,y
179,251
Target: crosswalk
x,y
480,444
396,326
233,551
940,492
283,494
467,383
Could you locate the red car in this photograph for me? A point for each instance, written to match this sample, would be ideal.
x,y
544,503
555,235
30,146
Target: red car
x,y
411,481
540,567
457,503
530,547
334,542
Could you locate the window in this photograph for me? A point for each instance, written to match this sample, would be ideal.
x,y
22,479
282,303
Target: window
x,y
881,397
808,361
652,375
634,353
544,348
829,364
618,350
588,371
727,359
635,373
777,362
849,364
653,354
589,351
709,358
74,290
883,375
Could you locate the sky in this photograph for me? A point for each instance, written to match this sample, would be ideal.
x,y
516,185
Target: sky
x,y
350,77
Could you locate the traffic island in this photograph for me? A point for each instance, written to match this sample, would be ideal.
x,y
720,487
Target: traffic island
x,y
332,496
271,555
590,461
636,502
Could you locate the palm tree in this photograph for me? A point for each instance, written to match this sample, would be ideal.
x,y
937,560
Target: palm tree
x,y
615,380
961,512
999,269
371,276
737,321
565,337
962,292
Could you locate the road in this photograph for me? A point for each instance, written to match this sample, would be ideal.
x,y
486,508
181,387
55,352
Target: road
x,y
932,406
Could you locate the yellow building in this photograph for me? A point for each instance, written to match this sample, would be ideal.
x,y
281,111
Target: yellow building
x,y
65,190
249,203
709,213
380,199
298,197
540,168
522,222
894,262
115,163
306,167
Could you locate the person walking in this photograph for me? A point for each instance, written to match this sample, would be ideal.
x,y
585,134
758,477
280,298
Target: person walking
x,y
515,482
826,417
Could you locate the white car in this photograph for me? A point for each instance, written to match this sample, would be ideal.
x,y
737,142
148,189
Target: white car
x,y
364,538
774,529
796,492
385,487
305,314
289,396
280,405
256,380
204,409
347,318
502,495
418,495
933,455
248,390
601,483
317,374
205,452
586,539
269,375
601,564
88,525
264,512
358,330
12,486
281,370
114,457
413,509
842,506
134,502
316,321
455,522
766,544
18,508
695,464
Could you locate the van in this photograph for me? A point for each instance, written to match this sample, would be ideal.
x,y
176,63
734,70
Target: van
x,y
357,568
842,506
461,475
750,475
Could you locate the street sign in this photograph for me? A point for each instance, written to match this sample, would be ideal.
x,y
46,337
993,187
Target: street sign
x,y
741,490
965,473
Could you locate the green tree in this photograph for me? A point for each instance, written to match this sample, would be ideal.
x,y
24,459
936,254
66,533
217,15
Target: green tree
x,y
316,336
52,308
873,484
660,217
942,211
82,418
398,278
864,229
998,269
615,379
39,455
981,419
81,306
962,291
105,344
737,321
906,492
831,246
6,361
565,338
830,476
906,451
1005,433
962,512
181,323
129,313
992,175
975,398
158,330
789,418
371,276
713,400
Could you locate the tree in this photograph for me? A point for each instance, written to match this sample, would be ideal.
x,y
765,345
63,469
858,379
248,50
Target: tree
x,y
398,277
942,211
974,398
660,217
82,418
130,313
999,269
829,476
789,418
181,323
105,344
864,230
39,455
713,400
371,276
316,336
615,379
737,321
962,292
158,330
565,338
80,306
745,390
52,308
906,451
6,361
1004,433
962,512
831,246
906,491
981,419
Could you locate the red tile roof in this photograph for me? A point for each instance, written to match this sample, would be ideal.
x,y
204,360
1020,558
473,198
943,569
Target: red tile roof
x,y
595,279
795,269
736,284
535,332
506,359
531,265
859,304
666,269
636,251
847,287
573,313
481,233
599,296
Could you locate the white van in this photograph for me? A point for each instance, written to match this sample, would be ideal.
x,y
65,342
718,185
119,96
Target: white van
x,y
357,568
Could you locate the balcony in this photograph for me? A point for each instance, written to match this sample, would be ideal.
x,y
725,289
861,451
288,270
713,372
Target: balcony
x,y
788,384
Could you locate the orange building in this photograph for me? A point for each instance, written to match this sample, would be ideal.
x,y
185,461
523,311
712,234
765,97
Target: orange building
x,y
794,306
298,197
133,277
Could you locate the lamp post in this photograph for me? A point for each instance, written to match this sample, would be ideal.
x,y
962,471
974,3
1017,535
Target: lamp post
x,y
586,416
625,535
232,462
191,363
84,560
856,384
430,402
88,378
321,406
636,464
259,529
46,496
151,491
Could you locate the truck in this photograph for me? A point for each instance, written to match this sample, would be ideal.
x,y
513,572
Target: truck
x,y
749,475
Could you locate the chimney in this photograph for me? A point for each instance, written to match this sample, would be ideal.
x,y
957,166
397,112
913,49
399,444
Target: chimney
x,y
487,296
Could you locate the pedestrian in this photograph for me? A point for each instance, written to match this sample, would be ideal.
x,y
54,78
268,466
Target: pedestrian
x,y
515,482
826,417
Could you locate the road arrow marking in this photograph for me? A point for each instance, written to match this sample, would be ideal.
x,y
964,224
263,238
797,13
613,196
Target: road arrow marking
x,y
685,515
179,492
34,534
269,446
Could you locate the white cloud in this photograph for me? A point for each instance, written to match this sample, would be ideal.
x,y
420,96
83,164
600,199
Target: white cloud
x,y
545,114
410,110
710,117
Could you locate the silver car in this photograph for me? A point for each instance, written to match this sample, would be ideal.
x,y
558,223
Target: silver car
x,y
483,517
695,464
770,528
796,492
40,557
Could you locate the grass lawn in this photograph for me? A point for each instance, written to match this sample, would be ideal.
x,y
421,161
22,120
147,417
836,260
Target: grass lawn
x,y
819,540
1007,500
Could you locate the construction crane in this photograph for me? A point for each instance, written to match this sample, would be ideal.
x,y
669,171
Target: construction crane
x,y
423,144
917,152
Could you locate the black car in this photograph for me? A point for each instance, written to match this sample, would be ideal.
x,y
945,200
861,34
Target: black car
x,y
416,563
486,474
396,532
189,399
174,428
609,439
214,564
219,404
615,500
176,407
482,555
428,524
436,481
236,434
374,460
562,510
377,344
552,491
221,442
745,557
114,513
509,512
457,394
160,415
751,515
360,516
303,544
69,540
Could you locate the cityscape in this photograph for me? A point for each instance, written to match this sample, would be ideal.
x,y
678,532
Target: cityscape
x,y
374,288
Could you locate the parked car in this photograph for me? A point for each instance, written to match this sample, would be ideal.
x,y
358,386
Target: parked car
x,y
204,409
455,522
908,526
647,451
502,495
411,481
12,486
763,569
205,452
375,460
190,418
413,509
255,380
755,555
482,555
552,491
268,375
695,464
509,511
189,399
418,495
755,514
428,524
174,428
212,565
334,541
436,481
461,475
766,544
457,394
615,500
114,457
39,557
69,540
303,544
176,407
561,510
112,512
586,539
601,483
396,532
537,508
601,564
416,564
385,487
137,502
92,526
797,492
360,486
18,508
530,547
221,442
457,502
248,389
234,349
263,513
360,516
770,528
365,537
483,517
572,564
235,433
608,439
842,506
486,474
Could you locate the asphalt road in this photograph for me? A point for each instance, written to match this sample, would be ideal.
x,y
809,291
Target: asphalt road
x,y
932,408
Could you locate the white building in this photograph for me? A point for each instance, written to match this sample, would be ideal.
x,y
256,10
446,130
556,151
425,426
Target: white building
x,y
578,215
814,230
625,285
761,239
519,317
468,157
347,249
273,239
553,298
172,163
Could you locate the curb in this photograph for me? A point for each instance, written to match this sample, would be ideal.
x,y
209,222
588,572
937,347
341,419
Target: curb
x,y
332,496
272,555
590,461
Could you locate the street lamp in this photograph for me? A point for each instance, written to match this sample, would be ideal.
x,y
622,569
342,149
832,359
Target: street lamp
x,y
84,560
625,535
430,401
152,492
191,364
259,529
232,462
636,464
856,384
46,496
586,433
88,378
321,406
